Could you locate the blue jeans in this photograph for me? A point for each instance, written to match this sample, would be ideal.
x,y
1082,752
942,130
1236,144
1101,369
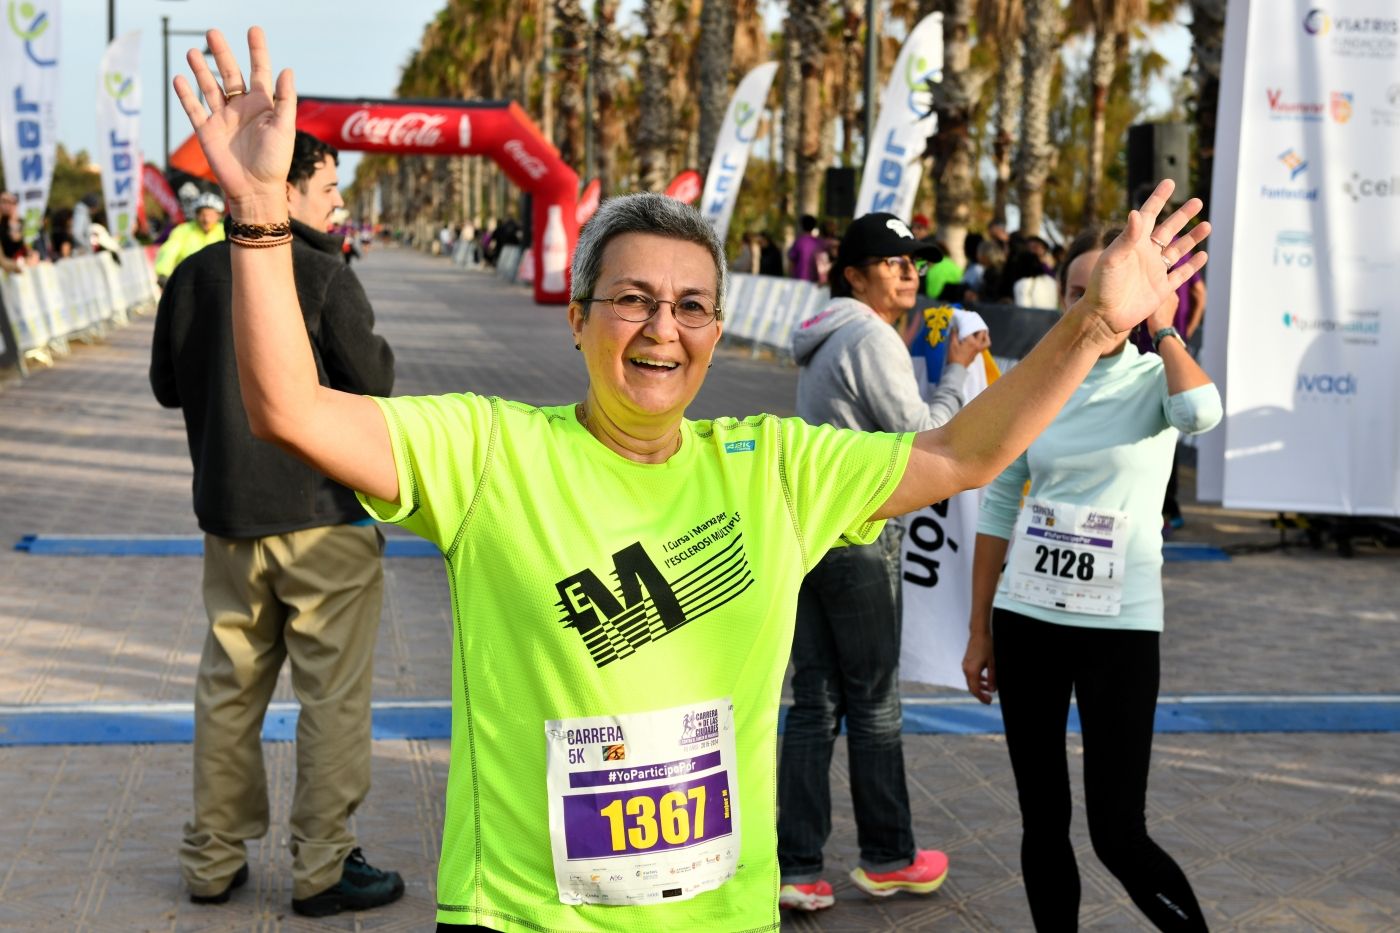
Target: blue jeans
x,y
845,656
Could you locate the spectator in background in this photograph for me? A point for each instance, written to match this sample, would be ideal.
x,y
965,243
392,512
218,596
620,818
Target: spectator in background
x,y
854,372
1040,249
803,253
996,231
61,234
191,236
770,258
921,227
987,259
292,569
1031,285
747,260
941,274
14,253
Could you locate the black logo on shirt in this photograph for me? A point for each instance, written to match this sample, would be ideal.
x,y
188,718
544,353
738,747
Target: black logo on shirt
x,y
643,605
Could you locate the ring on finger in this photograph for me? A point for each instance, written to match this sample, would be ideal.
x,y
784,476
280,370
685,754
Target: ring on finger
x,y
1165,261
1157,243
230,95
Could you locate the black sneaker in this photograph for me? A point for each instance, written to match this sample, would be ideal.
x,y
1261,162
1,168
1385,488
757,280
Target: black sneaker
x,y
240,878
361,886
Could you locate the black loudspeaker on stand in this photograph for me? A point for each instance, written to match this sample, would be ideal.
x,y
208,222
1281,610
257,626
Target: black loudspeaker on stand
x,y
1157,151
840,192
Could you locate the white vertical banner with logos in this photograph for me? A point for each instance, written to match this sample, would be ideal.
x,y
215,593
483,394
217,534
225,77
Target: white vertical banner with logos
x,y
939,543
893,158
731,154
28,112
1307,333
119,134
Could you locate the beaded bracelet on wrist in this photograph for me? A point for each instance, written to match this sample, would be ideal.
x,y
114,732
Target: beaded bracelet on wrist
x,y
259,236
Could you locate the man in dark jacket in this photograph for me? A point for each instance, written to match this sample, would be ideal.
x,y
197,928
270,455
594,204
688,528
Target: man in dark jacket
x,y
291,569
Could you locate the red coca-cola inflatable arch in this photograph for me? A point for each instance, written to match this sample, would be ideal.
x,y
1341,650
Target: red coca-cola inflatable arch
x,y
499,129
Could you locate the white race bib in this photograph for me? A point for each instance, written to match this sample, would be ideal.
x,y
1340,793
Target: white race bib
x,y
1069,557
643,807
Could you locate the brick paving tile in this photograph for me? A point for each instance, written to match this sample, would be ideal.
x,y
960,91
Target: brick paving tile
x,y
1277,831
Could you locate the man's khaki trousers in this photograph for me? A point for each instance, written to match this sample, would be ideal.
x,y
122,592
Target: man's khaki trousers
x,y
313,596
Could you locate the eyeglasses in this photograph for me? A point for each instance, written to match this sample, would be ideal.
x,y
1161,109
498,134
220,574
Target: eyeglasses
x,y
636,306
900,265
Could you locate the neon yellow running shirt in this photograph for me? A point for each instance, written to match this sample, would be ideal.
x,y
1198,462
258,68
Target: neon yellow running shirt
x,y
620,636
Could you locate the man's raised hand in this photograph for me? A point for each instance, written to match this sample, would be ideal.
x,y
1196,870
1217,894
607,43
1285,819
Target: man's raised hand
x,y
247,137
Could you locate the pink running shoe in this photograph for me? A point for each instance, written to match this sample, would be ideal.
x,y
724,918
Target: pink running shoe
x,y
814,896
929,870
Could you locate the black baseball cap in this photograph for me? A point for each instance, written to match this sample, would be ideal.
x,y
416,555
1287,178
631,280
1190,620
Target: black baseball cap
x,y
875,236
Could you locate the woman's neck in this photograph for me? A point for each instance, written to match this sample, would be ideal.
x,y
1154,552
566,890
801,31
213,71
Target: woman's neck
x,y
635,447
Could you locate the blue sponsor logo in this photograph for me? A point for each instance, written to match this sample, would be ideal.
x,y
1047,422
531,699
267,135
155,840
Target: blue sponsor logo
x,y
1329,386
739,447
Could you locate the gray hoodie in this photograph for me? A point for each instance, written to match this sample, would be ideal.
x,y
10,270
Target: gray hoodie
x,y
856,372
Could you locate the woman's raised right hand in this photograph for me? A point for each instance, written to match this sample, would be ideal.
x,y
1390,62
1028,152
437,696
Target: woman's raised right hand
x,y
247,138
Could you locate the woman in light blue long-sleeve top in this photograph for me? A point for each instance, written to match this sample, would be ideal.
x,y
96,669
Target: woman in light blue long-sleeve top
x,y
1067,597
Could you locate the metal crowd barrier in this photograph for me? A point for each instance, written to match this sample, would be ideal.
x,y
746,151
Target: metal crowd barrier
x,y
83,298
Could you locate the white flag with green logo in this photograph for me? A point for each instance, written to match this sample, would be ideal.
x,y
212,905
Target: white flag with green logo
x,y
119,133
28,98
894,154
732,150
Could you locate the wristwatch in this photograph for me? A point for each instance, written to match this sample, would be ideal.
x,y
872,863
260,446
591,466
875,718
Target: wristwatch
x,y
1163,334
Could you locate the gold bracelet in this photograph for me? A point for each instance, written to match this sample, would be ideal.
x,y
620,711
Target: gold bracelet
x,y
260,244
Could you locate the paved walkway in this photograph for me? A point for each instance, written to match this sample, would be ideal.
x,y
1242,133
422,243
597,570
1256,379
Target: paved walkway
x,y
1277,831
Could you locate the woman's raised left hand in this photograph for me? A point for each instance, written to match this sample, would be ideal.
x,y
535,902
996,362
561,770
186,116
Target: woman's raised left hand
x,y
1146,263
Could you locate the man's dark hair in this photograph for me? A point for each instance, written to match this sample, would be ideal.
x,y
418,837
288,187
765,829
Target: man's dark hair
x,y
307,153
808,223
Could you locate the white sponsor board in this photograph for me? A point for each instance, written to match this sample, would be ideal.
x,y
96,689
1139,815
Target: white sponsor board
x,y
893,164
939,542
1303,326
28,94
119,134
731,154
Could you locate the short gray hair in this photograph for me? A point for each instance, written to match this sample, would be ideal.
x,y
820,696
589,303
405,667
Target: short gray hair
x,y
656,214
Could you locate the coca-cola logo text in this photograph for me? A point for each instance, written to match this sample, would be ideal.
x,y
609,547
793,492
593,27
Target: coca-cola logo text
x,y
532,165
415,129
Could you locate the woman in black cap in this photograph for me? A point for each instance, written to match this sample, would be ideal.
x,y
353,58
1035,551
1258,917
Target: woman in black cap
x,y
856,372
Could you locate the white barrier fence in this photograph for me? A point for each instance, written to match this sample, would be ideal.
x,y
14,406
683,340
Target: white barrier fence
x,y
762,311
80,298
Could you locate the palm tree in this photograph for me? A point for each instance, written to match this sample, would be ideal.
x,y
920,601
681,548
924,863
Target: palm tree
x,y
1042,40
571,41
792,110
954,155
1109,21
1001,22
1207,47
607,129
809,19
655,131
713,51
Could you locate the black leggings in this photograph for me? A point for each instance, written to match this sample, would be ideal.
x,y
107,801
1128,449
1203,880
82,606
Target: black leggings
x,y
1113,674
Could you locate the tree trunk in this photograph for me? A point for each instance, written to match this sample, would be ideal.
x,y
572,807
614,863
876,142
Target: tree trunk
x,y
792,112
953,152
1207,47
811,36
714,49
1007,122
1103,60
852,65
570,39
604,93
655,134
1037,69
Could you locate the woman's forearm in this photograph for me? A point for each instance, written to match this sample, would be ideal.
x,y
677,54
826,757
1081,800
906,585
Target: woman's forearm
x,y
987,562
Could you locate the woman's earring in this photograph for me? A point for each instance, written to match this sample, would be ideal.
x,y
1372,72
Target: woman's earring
x,y
577,347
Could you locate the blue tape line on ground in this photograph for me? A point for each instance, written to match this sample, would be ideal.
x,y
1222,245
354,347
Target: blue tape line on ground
x,y
126,724
1180,551
170,546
